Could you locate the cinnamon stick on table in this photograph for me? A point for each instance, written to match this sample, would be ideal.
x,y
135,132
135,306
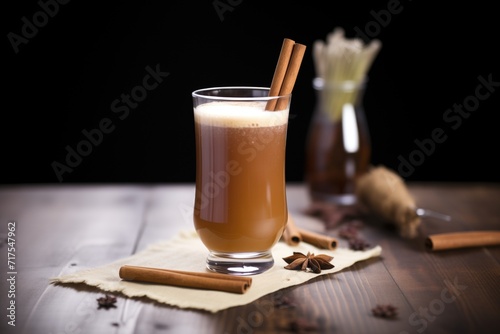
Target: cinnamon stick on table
x,y
293,235
318,240
454,240
196,280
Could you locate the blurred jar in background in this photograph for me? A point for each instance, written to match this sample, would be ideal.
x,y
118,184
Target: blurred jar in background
x,y
338,148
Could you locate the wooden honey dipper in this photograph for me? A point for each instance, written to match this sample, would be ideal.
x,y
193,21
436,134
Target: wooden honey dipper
x,y
384,194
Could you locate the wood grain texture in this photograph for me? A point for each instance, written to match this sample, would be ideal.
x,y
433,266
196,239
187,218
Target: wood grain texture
x,y
61,229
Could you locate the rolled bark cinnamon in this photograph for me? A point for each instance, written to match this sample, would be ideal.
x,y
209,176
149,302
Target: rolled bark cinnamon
x,y
317,239
291,235
285,74
454,240
280,71
291,74
195,280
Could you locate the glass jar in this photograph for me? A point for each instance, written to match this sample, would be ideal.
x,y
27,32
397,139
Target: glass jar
x,y
338,148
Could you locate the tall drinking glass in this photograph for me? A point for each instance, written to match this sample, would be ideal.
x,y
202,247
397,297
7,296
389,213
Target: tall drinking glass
x,y
240,208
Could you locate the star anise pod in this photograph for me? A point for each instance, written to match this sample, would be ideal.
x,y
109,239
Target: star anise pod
x,y
314,263
106,302
385,311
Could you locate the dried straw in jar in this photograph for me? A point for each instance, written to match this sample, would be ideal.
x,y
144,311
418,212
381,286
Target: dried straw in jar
x,y
342,65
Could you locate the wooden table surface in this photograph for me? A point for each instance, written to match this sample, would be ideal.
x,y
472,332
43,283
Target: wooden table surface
x,y
63,227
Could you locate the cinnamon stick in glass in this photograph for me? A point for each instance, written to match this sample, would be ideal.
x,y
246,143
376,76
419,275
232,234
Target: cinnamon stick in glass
x,y
286,72
195,280
280,71
291,74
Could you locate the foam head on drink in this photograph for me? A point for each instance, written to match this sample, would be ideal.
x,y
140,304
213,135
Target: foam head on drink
x,y
240,203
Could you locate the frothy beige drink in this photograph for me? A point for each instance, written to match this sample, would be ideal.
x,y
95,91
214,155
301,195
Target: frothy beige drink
x,y
240,203
240,208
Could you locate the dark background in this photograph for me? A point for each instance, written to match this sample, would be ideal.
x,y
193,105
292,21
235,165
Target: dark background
x,y
64,79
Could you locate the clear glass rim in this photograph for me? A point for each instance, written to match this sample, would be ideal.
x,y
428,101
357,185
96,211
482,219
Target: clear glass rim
x,y
201,93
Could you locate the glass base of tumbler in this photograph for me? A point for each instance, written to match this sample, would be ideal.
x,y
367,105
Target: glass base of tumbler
x,y
250,263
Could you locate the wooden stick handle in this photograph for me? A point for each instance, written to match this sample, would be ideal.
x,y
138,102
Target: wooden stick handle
x,y
462,239
207,281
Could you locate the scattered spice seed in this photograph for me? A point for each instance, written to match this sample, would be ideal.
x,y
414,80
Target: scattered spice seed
x,y
314,263
283,302
332,215
385,311
106,302
350,229
161,326
300,325
357,224
358,244
347,232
